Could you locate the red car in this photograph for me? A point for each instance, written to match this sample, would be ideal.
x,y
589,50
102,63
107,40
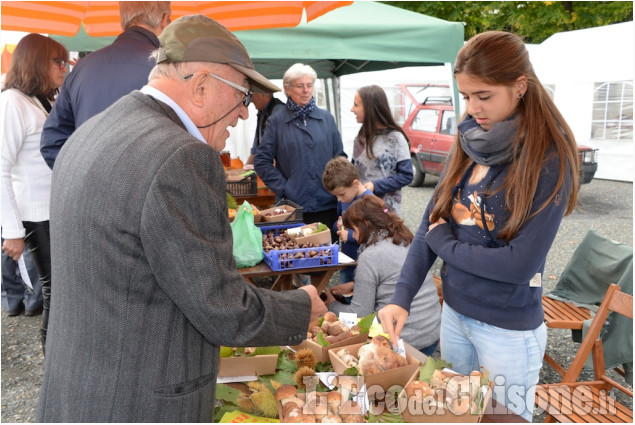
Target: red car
x,y
431,128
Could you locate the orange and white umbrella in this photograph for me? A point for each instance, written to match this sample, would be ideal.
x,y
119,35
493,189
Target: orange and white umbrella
x,y
101,18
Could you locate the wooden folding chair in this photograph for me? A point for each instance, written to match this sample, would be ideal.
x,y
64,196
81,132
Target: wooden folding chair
x,y
562,315
589,401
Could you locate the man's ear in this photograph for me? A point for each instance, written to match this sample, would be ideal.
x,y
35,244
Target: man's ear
x,y
197,88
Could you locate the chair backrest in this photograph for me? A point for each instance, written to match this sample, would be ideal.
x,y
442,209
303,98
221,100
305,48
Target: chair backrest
x,y
614,300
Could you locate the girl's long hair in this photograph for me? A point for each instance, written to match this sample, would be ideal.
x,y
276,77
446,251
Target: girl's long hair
x,y
374,220
31,64
500,58
377,116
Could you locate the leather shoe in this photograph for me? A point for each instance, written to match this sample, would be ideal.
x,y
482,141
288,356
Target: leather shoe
x,y
35,312
16,311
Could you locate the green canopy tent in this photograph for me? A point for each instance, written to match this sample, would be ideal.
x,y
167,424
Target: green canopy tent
x,y
365,36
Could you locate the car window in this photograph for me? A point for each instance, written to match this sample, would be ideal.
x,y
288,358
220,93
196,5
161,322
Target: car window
x,y
426,120
448,123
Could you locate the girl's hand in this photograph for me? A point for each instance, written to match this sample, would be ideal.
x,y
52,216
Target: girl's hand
x,y
370,186
13,247
343,234
343,289
433,225
393,318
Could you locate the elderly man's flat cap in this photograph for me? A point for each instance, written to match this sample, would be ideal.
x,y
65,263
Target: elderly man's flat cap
x,y
197,38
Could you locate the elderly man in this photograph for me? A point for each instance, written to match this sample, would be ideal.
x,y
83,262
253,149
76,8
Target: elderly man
x,y
146,286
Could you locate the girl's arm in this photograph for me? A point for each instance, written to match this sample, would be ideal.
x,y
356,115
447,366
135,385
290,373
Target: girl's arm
x,y
402,177
520,259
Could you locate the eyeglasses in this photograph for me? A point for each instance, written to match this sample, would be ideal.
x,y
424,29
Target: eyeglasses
x,y
248,93
61,62
301,86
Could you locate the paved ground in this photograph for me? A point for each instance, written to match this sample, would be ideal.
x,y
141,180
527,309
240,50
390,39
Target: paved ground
x,y
605,206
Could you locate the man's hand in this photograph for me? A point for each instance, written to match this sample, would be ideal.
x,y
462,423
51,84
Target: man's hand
x,y
393,318
370,186
13,247
317,306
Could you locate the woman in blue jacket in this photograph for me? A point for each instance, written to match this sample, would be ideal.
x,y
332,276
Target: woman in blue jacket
x,y
298,142
511,177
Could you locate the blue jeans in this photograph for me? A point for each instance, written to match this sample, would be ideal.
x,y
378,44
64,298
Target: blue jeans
x,y
13,290
430,349
512,358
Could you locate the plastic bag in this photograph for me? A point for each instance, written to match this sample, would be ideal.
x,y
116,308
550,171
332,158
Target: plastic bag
x,y
247,237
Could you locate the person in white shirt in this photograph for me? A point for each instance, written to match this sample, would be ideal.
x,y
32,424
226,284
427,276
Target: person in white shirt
x,y
38,65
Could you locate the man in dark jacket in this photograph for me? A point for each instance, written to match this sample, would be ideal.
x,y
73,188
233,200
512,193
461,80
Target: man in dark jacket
x,y
266,105
102,77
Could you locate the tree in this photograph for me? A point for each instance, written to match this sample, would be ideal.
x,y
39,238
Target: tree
x,y
535,21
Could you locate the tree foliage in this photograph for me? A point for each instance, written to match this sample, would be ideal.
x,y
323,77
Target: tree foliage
x,y
535,21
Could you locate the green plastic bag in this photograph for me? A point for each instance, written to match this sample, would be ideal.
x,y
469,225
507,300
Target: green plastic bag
x,y
247,237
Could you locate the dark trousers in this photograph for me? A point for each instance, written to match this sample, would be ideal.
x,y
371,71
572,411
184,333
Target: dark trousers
x,y
38,241
14,292
328,217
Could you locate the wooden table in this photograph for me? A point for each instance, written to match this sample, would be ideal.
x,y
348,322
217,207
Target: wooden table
x,y
320,276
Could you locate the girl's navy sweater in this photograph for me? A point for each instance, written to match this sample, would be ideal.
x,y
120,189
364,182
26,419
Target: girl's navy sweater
x,y
490,284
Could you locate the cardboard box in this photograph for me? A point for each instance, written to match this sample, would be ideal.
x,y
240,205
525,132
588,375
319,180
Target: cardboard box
x,y
379,383
322,353
418,413
289,215
321,238
248,365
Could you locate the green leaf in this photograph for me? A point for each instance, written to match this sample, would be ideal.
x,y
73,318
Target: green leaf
x,y
226,352
285,363
247,173
284,377
427,370
321,340
321,227
351,371
366,322
231,202
240,351
260,351
227,393
324,367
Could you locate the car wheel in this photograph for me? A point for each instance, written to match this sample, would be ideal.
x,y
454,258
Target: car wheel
x,y
419,176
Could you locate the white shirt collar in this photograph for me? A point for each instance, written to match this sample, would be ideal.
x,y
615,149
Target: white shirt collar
x,y
189,125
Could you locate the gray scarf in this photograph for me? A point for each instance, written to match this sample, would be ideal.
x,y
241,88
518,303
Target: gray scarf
x,y
490,147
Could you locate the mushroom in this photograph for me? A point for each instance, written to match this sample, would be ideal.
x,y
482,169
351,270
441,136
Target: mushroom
x,y
334,400
288,393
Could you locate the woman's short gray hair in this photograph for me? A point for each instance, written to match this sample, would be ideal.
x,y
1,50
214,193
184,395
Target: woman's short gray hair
x,y
149,13
296,71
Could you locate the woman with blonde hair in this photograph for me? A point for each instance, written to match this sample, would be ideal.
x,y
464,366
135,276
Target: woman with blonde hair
x,y
38,65
511,177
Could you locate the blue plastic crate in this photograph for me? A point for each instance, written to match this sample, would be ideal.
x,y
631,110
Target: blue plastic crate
x,y
278,228
285,259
